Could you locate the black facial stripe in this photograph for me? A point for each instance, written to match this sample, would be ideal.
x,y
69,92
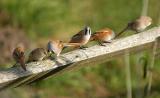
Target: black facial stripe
x,y
85,31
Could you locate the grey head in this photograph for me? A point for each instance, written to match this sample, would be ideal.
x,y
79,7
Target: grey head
x,y
50,47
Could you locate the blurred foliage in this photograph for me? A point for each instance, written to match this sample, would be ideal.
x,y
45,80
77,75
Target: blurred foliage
x,y
43,19
9,39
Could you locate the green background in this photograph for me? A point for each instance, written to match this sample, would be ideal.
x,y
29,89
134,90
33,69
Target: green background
x,y
46,19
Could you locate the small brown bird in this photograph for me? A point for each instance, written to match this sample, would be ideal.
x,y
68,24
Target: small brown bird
x,y
37,54
137,25
82,37
103,36
56,46
19,56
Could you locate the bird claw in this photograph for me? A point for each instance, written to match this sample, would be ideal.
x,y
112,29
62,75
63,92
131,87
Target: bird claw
x,y
15,65
136,31
101,44
107,42
83,47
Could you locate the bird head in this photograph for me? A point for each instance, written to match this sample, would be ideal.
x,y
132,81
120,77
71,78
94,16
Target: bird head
x,y
87,30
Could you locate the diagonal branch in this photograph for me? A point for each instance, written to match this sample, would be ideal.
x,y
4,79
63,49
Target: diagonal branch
x,y
14,77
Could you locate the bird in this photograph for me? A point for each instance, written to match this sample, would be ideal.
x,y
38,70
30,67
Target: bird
x,y
19,56
37,54
103,36
138,25
56,46
82,37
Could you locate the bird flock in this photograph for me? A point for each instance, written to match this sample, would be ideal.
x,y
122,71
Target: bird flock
x,y
78,40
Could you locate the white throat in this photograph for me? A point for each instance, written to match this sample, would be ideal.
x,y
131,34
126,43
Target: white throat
x,y
86,38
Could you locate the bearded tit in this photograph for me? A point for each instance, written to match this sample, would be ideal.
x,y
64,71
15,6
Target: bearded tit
x,y
19,56
56,46
137,25
82,37
103,36
37,54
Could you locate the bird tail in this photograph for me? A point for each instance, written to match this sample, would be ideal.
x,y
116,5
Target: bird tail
x,y
74,45
71,44
122,32
22,63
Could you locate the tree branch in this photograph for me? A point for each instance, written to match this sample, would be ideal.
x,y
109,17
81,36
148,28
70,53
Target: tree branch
x,y
14,77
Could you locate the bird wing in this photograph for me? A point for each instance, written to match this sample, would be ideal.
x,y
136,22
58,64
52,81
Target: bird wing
x,y
104,30
52,47
76,37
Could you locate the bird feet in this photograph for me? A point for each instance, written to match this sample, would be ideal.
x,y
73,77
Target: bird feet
x,y
101,43
107,42
83,47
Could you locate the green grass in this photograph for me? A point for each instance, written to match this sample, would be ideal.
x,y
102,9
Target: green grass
x,y
62,18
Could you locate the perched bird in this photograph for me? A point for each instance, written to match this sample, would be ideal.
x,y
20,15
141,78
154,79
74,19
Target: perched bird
x,y
137,25
103,36
19,56
56,46
82,37
37,54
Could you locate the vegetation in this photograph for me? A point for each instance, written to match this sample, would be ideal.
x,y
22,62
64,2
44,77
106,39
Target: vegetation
x,y
43,19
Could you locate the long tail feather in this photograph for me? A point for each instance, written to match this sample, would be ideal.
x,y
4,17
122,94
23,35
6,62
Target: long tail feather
x,y
121,32
71,44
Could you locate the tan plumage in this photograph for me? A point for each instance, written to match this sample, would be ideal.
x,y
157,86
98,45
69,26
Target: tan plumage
x,y
137,25
81,37
104,35
37,54
56,46
19,56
